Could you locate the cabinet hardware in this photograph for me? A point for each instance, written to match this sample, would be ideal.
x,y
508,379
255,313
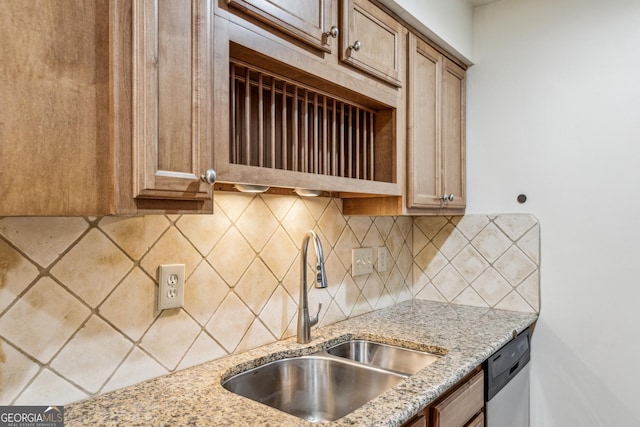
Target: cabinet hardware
x,y
333,32
356,46
209,176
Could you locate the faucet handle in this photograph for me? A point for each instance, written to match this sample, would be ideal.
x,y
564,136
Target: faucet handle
x,y
314,319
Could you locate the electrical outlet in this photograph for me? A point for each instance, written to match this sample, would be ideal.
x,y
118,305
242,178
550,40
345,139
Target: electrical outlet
x,y
383,256
361,261
171,286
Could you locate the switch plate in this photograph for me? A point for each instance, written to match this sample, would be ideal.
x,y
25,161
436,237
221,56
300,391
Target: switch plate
x,y
170,286
361,261
383,256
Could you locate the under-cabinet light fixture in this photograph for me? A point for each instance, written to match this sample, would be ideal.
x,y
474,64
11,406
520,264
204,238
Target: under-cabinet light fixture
x,y
251,188
305,192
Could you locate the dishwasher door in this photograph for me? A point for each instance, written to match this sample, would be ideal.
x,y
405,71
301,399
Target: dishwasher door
x,y
507,384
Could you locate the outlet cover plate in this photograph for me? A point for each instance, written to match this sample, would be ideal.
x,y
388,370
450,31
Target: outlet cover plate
x,y
361,261
170,286
383,258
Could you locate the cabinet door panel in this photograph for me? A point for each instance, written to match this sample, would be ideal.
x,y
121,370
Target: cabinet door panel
x,y
462,405
305,20
171,99
378,38
423,148
453,133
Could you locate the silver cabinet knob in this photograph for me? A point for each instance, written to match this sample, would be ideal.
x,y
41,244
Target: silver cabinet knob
x,y
356,46
333,32
209,176
451,197
447,197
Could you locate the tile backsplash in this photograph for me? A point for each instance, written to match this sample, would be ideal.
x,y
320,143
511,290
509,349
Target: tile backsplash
x,y
78,295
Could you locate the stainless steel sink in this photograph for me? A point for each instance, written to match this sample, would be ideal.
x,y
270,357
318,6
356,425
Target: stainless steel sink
x,y
317,388
385,356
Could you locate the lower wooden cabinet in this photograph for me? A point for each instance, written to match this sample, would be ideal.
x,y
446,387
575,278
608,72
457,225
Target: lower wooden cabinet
x,y
461,406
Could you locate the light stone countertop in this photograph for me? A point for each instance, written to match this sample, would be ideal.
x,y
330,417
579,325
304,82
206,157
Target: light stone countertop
x,y
195,397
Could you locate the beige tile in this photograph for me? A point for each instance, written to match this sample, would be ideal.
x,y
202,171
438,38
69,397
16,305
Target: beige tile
x,y
332,315
279,253
203,350
469,263
298,221
360,226
16,370
204,231
450,241
384,225
257,224
256,286
204,291
405,294
331,223
405,224
420,241
135,235
372,289
51,390
16,273
137,367
278,204
430,293
361,306
170,337
470,297
491,242
291,281
172,248
395,283
394,242
471,225
431,261
530,291
385,300
335,271
316,297
347,295
316,205
232,204
42,239
404,261
373,239
515,225
132,306
92,355
343,248
514,266
449,283
257,335
514,302
93,267
279,311
492,287
430,226
530,244
419,279
43,319
230,322
231,256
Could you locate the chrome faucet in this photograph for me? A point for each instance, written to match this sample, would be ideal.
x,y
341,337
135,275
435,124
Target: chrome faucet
x,y
305,322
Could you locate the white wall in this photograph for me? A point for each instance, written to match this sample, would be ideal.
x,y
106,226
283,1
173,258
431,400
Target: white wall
x,y
448,20
554,112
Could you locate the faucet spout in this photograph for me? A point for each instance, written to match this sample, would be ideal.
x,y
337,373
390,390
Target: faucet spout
x,y
305,322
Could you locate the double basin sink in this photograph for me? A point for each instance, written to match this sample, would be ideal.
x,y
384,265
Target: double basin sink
x,y
331,383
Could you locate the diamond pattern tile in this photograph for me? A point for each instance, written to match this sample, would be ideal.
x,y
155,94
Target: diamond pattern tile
x,y
491,286
430,225
256,286
137,367
257,223
491,242
95,344
469,263
360,226
16,273
135,235
449,282
93,267
471,225
231,256
530,244
298,221
384,225
172,248
514,266
347,295
332,223
162,341
131,306
230,322
16,370
279,253
316,205
450,241
256,335
203,350
43,320
278,312
43,239
203,231
514,226
279,205
231,204
50,387
204,291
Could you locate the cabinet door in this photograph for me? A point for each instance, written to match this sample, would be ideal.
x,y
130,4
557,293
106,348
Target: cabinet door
x,y
370,40
453,134
462,405
171,99
306,20
423,129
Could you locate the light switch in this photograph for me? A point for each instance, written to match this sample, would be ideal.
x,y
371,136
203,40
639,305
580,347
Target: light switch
x,y
361,261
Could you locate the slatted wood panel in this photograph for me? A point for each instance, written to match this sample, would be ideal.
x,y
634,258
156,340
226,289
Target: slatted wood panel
x,y
281,124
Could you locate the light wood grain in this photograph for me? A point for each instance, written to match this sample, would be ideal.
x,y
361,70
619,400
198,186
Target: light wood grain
x,y
460,406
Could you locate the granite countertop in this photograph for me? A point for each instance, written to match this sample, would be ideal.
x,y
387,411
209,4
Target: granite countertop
x,y
195,397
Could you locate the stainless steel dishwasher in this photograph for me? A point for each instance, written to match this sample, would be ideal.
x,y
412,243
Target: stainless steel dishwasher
x,y
507,384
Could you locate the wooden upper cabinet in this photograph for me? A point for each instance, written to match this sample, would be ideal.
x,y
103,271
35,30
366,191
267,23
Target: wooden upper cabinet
x,y
306,20
172,99
370,40
435,130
